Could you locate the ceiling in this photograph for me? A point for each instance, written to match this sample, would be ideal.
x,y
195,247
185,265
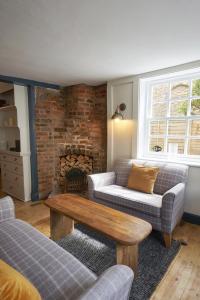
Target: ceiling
x,y
92,41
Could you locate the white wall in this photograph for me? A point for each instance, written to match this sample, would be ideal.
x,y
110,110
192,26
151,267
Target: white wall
x,y
21,103
122,135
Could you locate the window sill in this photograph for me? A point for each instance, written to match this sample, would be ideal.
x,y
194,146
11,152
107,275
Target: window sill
x,y
168,160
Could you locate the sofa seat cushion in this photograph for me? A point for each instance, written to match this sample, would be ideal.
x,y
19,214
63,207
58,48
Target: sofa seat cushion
x,y
147,203
52,270
14,285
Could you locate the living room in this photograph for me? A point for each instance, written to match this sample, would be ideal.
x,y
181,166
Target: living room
x,y
99,150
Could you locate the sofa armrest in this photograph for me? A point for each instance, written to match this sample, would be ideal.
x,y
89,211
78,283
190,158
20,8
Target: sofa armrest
x,y
7,209
114,284
172,207
98,180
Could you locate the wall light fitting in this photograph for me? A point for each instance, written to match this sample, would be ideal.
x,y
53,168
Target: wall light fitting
x,y
118,112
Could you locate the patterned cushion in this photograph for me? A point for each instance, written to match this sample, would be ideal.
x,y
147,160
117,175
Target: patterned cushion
x,y
54,272
169,175
122,169
147,203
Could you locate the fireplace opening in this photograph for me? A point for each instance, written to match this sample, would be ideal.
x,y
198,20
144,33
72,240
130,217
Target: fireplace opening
x,y
74,169
75,180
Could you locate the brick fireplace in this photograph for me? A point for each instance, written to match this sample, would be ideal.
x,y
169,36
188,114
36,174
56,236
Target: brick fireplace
x,y
71,121
75,165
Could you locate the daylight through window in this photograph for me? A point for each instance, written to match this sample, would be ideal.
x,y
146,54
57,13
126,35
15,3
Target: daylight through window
x,y
172,117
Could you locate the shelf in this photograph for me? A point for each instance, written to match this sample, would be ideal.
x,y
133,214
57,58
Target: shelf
x,y
5,127
8,108
14,153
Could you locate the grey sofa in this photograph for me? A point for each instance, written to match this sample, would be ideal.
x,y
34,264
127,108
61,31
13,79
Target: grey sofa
x,y
163,209
54,272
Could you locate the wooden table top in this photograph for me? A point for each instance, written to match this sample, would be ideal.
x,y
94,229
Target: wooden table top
x,y
124,228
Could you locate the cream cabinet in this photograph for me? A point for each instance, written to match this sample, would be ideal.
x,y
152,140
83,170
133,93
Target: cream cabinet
x,y
15,166
12,174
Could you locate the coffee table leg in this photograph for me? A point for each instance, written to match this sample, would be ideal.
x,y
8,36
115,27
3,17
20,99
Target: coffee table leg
x,y
60,225
128,255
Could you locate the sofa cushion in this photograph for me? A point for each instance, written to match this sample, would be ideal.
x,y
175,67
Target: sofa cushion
x,y
142,178
170,174
147,203
52,270
122,169
14,285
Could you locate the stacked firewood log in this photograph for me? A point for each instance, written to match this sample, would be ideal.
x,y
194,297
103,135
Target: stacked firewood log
x,y
82,162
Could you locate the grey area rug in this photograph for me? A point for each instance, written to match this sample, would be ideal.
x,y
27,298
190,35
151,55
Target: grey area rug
x,y
97,252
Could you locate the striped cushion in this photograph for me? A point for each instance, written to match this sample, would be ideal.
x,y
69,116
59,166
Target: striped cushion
x,y
122,169
169,176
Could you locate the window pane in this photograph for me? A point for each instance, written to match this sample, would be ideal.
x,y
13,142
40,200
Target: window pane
x,y
196,87
195,107
195,127
177,127
180,89
194,147
178,108
175,146
156,144
159,110
157,127
160,92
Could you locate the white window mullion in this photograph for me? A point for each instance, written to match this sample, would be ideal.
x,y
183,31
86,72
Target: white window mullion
x,y
168,117
188,121
148,114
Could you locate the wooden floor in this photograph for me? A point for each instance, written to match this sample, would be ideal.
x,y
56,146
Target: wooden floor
x,y
182,280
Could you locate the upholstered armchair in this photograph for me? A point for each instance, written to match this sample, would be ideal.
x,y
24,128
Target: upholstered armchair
x,y
55,272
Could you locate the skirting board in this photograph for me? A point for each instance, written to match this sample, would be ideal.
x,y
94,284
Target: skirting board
x,y
190,218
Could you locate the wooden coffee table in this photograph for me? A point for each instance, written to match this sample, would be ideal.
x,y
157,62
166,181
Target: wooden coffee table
x,y
126,230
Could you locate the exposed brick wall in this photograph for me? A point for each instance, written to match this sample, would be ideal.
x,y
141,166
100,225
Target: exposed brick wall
x,y
86,119
99,128
73,117
50,129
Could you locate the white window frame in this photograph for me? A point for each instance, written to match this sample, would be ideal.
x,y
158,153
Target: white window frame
x,y
144,118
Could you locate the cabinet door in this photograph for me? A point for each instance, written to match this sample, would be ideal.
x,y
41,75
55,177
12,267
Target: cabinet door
x,y
13,184
13,168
